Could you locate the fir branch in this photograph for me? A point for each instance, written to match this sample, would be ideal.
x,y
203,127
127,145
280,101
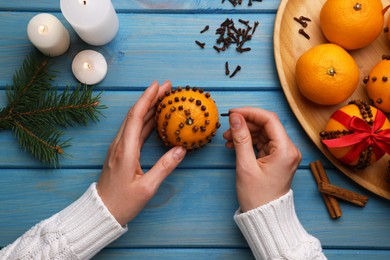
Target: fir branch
x,y
29,83
70,108
5,122
46,150
35,110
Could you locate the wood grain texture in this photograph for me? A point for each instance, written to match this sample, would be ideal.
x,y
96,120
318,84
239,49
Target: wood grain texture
x,y
289,46
90,144
192,214
176,253
233,254
155,46
193,208
193,6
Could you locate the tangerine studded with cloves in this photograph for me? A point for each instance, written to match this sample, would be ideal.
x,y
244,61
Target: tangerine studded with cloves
x,y
378,84
187,117
335,129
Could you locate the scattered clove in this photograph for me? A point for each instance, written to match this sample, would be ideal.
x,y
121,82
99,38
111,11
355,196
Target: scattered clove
x,y
255,26
205,29
243,22
301,31
200,44
233,2
239,2
302,20
241,50
238,68
227,72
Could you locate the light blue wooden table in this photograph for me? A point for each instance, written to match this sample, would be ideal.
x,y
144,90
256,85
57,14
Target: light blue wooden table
x,y
191,216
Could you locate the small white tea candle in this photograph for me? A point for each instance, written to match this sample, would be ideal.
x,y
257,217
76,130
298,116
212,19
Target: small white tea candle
x,y
96,22
48,34
89,67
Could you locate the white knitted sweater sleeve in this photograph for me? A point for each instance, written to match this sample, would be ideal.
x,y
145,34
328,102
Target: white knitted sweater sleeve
x,y
77,232
273,231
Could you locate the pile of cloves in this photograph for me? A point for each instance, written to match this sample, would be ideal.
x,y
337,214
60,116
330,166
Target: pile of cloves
x,y
228,35
239,2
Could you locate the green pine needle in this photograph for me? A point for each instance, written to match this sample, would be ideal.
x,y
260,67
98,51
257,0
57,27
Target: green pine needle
x,y
36,110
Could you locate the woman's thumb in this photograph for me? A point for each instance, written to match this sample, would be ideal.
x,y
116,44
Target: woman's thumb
x,y
242,139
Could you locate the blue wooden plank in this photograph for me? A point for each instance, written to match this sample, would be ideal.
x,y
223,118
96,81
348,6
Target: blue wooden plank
x,y
242,254
193,208
191,216
357,254
172,254
155,46
90,144
150,5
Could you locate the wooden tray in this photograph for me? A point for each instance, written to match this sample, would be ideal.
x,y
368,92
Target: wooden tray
x,y
288,47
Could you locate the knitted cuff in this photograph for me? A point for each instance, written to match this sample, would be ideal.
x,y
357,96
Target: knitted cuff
x,y
273,230
88,225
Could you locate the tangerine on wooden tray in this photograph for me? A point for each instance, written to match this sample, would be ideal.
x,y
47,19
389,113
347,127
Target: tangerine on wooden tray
x,y
352,24
187,117
326,74
378,85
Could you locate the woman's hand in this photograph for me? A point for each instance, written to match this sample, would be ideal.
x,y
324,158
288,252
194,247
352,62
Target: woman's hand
x,y
267,176
123,186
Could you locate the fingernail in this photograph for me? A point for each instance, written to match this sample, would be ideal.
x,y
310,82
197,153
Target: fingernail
x,y
153,85
179,153
165,83
235,122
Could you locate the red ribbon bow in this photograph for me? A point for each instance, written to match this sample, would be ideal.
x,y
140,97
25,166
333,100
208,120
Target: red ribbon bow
x,y
362,137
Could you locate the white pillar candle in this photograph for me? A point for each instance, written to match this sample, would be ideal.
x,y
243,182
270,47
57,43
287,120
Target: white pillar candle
x,y
48,34
89,67
94,21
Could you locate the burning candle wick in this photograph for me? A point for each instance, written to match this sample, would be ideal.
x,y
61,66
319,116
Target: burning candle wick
x,y
87,66
42,29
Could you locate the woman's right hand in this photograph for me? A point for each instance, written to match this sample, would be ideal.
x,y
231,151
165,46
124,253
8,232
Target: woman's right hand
x,y
266,176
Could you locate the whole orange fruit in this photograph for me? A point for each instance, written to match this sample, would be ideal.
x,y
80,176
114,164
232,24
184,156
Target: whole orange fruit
x,y
352,24
336,129
187,117
326,74
378,85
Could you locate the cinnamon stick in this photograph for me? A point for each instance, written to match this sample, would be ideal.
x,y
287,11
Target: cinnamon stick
x,y
344,194
325,197
331,202
321,171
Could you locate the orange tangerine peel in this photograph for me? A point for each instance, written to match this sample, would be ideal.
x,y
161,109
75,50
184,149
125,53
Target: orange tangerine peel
x,y
187,117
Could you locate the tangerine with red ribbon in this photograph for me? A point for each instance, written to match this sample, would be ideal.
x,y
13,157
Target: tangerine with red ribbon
x,y
357,134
